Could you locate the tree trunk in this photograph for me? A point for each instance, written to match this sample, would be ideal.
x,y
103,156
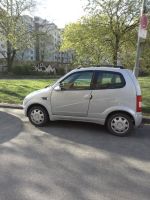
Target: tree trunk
x,y
10,56
116,50
115,56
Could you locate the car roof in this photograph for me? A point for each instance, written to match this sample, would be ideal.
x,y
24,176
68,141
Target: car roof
x,y
116,69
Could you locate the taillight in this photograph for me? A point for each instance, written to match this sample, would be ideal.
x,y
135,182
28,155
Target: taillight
x,y
139,104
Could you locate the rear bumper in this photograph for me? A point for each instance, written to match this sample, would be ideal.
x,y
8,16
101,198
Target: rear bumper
x,y
138,119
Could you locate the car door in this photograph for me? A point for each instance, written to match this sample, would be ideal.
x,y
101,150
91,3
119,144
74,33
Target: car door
x,y
108,89
75,94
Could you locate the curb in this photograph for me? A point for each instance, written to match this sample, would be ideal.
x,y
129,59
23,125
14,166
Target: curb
x,y
146,120
13,106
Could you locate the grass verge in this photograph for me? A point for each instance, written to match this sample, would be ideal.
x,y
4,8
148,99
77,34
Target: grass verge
x,y
145,86
14,91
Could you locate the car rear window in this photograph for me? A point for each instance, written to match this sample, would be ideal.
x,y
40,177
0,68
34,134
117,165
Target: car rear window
x,y
109,80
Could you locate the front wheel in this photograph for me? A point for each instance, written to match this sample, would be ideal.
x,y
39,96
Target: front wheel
x,y
38,116
120,124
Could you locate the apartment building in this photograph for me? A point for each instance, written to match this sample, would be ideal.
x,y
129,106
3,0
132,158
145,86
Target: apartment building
x,y
64,57
47,41
45,45
29,53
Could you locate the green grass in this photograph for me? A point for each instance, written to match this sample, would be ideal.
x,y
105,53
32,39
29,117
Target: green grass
x,y
14,91
145,86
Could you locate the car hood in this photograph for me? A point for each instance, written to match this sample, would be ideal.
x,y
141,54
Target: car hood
x,y
38,93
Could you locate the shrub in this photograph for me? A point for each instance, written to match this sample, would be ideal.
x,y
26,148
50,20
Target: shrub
x,y
144,72
23,70
60,71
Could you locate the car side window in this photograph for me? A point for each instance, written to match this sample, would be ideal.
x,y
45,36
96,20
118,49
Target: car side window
x,y
109,80
77,81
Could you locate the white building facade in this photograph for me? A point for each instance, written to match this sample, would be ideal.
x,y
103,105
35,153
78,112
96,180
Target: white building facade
x,y
45,45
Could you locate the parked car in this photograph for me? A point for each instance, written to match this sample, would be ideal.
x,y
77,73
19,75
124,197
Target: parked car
x,y
104,95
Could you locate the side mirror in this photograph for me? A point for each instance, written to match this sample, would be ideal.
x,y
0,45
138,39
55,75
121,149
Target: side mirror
x,y
58,88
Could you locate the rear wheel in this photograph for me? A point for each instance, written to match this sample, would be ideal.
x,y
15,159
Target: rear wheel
x,y
38,116
120,124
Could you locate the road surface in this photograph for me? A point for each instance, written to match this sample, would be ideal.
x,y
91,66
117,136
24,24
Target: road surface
x,y
71,161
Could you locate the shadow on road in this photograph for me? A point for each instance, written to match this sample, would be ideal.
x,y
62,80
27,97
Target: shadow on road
x,y
71,160
136,145
10,127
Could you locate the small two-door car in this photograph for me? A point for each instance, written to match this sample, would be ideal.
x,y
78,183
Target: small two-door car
x,y
105,95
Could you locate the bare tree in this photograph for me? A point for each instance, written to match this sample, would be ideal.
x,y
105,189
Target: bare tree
x,y
44,40
14,31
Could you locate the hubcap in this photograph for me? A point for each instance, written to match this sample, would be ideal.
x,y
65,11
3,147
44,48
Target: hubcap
x,y
37,116
120,125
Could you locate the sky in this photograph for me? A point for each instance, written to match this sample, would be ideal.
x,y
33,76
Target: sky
x,y
60,12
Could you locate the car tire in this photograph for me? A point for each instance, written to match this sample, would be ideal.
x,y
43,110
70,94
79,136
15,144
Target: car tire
x,y
120,124
38,116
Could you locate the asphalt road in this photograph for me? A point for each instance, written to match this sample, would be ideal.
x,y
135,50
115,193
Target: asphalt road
x,y
71,161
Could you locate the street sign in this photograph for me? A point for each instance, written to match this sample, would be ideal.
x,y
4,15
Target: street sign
x,y
143,26
142,33
144,21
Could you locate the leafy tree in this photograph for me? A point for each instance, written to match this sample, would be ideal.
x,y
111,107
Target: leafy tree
x,y
14,31
128,51
122,17
93,42
145,56
109,32
86,38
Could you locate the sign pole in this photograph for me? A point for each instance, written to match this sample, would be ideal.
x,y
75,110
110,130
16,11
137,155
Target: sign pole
x,y
138,55
139,42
